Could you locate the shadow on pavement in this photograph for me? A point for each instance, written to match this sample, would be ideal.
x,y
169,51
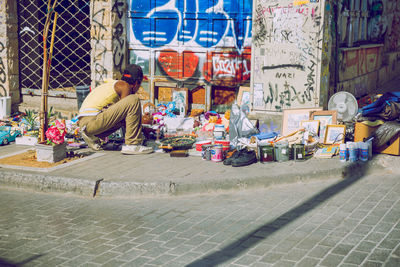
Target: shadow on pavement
x,y
351,174
6,263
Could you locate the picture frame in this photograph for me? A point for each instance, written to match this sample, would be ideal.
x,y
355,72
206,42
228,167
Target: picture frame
x,y
243,97
311,126
181,98
165,94
292,118
325,117
334,134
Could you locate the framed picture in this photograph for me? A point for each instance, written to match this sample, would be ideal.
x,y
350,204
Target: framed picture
x,y
181,96
243,97
334,134
325,117
293,117
165,94
311,126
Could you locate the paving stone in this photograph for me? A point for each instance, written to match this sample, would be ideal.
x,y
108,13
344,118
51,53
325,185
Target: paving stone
x,y
105,257
356,257
247,260
271,257
393,262
295,254
366,246
372,264
319,252
389,243
379,255
162,260
342,249
332,260
307,261
140,261
280,263
353,239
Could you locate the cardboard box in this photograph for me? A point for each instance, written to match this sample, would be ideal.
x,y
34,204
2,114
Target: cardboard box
x,y
362,131
392,147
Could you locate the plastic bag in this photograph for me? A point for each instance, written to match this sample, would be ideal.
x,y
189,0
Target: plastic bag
x,y
385,133
239,126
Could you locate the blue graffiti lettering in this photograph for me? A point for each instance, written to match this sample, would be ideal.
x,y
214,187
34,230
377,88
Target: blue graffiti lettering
x,y
191,22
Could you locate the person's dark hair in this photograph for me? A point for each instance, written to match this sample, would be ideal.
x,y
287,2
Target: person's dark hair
x,y
132,73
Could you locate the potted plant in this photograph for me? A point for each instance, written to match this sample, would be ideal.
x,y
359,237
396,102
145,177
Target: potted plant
x,y
55,148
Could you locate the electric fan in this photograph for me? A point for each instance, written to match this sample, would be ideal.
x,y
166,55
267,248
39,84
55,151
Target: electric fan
x,y
345,104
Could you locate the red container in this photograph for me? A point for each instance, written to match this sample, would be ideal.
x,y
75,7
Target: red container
x,y
202,143
225,144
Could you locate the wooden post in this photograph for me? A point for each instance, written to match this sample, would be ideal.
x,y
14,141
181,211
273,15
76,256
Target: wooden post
x,y
46,70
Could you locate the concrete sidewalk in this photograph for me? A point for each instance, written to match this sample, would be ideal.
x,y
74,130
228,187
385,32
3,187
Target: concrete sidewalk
x,y
117,175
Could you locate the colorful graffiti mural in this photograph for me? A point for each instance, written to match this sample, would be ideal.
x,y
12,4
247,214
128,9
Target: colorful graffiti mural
x,y
192,39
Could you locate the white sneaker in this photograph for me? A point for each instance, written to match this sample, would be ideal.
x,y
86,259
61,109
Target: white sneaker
x,y
136,149
92,141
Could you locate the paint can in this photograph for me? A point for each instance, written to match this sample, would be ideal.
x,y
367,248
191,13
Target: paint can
x,y
299,153
206,152
225,144
216,153
281,151
267,153
200,144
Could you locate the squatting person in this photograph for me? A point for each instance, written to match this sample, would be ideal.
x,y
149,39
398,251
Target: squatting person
x,y
112,105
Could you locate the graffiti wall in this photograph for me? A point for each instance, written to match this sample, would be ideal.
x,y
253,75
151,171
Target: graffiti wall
x,y
192,40
287,44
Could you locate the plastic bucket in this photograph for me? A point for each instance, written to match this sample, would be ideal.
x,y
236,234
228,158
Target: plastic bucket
x,y
202,143
216,153
5,107
81,93
225,144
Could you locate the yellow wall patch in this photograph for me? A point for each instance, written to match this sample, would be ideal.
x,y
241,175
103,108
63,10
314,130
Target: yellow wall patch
x,y
300,2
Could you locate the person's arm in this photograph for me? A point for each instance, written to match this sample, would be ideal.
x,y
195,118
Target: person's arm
x,y
122,89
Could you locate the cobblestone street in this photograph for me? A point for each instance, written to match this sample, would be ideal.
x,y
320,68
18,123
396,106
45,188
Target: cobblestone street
x,y
349,222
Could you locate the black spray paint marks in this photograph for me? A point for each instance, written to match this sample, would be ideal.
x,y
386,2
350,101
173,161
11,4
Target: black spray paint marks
x,y
295,66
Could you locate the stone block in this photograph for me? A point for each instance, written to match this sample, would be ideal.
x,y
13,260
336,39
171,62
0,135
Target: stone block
x,y
49,153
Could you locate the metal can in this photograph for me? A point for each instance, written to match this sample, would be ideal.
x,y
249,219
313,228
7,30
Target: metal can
x,y
266,153
216,153
299,152
282,151
206,152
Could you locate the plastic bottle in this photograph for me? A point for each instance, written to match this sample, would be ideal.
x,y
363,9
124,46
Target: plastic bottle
x,y
364,155
343,153
353,157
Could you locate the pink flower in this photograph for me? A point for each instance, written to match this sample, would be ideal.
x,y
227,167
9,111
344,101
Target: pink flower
x,y
55,134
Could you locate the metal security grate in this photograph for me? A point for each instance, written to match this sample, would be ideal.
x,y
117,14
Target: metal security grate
x,y
70,64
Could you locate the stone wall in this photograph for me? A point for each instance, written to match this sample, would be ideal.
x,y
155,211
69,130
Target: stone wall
x,y
9,79
108,33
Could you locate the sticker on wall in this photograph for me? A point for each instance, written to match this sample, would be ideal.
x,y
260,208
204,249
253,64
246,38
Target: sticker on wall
x,y
301,2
